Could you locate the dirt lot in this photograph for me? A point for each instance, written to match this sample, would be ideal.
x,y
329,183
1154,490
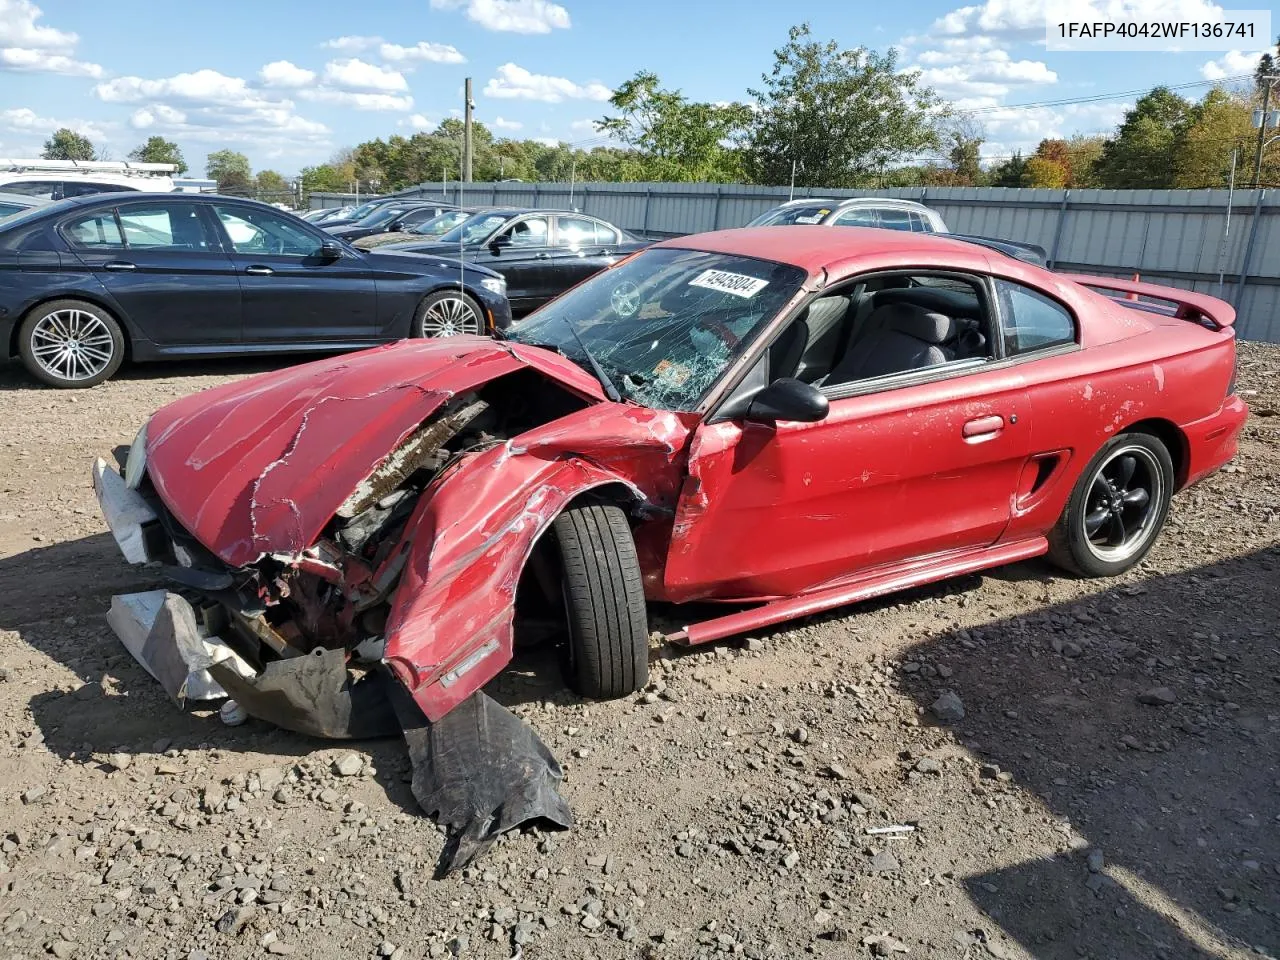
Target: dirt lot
x,y
725,812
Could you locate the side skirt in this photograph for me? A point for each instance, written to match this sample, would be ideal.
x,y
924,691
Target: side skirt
x,y
872,583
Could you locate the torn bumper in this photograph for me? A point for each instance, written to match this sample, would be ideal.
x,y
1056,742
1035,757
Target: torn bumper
x,y
162,632
126,512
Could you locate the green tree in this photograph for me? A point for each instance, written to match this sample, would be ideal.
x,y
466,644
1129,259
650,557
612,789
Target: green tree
x,y
1218,124
268,181
1140,155
1267,66
1085,151
1044,171
66,144
159,150
1009,173
230,169
676,139
840,115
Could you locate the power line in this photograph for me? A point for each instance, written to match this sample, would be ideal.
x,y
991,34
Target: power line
x,y
1098,97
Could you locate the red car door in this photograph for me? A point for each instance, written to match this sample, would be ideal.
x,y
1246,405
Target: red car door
x,y
771,511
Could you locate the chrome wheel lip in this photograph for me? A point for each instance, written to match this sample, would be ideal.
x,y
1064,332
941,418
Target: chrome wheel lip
x,y
1137,516
71,344
450,316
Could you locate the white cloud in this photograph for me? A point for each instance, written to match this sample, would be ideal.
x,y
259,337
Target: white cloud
x,y
547,141
1231,64
991,75
360,101
422,51
501,124
41,61
516,83
1027,18
30,47
351,44
209,106
26,121
417,122
583,126
511,16
356,74
282,73
158,113
1010,130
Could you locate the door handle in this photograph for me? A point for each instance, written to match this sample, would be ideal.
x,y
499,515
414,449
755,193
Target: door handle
x,y
544,256
259,271
983,427
117,266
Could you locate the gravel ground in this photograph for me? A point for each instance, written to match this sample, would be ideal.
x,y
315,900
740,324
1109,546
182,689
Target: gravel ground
x,y
1111,791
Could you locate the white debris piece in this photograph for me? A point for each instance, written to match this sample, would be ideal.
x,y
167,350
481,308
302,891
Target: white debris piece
x,y
159,628
124,509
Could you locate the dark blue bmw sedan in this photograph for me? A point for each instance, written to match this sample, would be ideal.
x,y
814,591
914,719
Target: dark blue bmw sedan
x,y
87,281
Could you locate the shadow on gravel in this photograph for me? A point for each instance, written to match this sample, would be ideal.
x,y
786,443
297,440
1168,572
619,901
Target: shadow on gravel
x,y
1181,799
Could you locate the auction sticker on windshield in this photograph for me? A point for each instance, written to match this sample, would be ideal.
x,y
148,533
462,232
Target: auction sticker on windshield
x,y
739,284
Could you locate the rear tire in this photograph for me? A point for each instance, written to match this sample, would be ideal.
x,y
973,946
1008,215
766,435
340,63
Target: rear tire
x,y
70,344
608,646
1117,508
448,313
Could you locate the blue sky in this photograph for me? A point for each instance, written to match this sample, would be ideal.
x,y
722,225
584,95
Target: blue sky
x,y
289,82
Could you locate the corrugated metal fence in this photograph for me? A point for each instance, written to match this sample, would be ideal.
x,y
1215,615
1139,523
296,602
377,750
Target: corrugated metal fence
x,y
1177,237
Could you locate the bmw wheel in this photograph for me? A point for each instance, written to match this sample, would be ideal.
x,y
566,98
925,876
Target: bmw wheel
x,y
71,344
1117,508
448,313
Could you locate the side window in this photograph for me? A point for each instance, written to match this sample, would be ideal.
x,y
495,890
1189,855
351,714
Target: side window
x,y
94,231
415,217
606,235
530,232
917,223
892,218
858,217
894,324
164,226
45,189
263,231
575,232
1032,321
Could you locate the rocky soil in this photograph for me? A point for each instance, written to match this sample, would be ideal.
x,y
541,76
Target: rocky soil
x,y
1016,765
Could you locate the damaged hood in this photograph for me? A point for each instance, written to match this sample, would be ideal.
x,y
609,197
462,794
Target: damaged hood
x,y
260,466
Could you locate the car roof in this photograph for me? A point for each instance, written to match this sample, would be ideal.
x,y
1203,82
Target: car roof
x,y
835,203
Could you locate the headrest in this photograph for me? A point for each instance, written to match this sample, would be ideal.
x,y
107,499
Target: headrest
x,y
918,322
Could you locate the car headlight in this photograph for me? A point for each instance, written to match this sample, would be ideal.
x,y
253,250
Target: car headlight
x,y
495,285
135,467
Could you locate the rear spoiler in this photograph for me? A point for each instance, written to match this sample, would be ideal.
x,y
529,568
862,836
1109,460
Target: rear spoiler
x,y
1169,301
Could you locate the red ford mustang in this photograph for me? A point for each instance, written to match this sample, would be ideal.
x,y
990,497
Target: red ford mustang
x,y
790,419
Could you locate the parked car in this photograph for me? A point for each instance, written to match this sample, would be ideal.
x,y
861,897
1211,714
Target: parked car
x,y
393,217
426,231
316,216
87,280
888,213
541,253
11,203
355,214
787,421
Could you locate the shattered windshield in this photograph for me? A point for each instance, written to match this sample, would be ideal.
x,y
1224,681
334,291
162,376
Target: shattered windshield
x,y
475,229
665,324
787,216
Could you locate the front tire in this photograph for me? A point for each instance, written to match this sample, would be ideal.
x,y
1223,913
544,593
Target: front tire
x,y
608,646
70,344
1117,508
448,313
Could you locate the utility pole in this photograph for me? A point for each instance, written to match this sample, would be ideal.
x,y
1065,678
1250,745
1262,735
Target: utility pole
x,y
466,132
1262,127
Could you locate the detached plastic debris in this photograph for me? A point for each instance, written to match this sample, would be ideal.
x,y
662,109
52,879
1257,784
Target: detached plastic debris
x,y
479,772
160,630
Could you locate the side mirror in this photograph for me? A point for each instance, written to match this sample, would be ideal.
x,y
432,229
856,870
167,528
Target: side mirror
x,y
498,242
788,399
330,251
